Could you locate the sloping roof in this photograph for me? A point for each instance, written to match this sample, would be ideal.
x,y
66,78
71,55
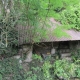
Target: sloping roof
x,y
72,34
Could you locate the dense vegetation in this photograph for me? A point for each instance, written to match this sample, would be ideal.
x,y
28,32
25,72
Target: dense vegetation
x,y
36,14
48,69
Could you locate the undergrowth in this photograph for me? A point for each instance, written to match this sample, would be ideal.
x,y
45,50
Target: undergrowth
x,y
39,69
10,69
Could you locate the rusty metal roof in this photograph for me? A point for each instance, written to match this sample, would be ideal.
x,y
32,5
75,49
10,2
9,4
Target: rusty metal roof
x,y
72,34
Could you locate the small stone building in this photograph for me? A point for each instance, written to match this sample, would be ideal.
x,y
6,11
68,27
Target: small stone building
x,y
64,45
62,48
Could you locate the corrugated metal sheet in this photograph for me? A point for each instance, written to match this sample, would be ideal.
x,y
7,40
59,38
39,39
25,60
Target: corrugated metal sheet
x,y
24,34
73,35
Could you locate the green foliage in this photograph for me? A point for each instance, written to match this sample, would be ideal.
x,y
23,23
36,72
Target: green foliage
x,y
8,52
46,70
0,76
37,57
65,69
35,71
10,69
35,14
58,32
77,71
76,55
41,69
71,16
34,74
8,32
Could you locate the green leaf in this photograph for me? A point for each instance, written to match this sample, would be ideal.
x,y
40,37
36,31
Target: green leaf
x,y
0,77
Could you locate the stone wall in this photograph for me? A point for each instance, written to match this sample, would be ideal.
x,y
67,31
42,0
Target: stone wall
x,y
74,46
47,48
25,52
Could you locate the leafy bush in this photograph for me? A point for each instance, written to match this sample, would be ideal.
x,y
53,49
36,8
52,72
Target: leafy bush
x,y
41,69
62,69
0,76
11,69
65,69
37,57
76,56
77,71
46,70
70,16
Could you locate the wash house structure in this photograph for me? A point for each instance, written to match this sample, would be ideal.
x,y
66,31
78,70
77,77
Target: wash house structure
x,y
64,45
